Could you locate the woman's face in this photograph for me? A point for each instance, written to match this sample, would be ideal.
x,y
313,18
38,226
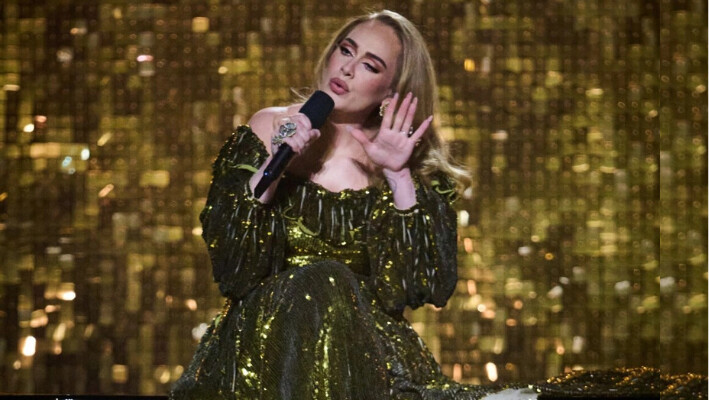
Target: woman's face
x,y
360,70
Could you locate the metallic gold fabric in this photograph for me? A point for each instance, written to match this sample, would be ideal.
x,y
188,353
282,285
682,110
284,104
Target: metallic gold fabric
x,y
625,383
316,283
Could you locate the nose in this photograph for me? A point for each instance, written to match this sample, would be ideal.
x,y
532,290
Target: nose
x,y
347,68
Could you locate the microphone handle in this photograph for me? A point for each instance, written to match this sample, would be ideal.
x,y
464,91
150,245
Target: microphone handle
x,y
274,168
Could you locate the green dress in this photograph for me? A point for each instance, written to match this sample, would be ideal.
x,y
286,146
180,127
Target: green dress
x,y
316,283
315,286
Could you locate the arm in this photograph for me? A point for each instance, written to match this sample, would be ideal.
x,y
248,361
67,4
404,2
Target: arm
x,y
402,188
413,251
245,238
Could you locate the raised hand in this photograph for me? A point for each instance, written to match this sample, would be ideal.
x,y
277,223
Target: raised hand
x,y
392,147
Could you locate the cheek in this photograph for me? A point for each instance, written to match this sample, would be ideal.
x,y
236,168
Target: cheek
x,y
332,62
379,86
382,85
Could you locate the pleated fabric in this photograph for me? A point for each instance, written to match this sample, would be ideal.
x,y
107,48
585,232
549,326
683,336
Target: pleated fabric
x,y
315,286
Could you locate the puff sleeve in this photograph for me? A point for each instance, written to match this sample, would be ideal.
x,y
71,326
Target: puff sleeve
x,y
245,238
413,252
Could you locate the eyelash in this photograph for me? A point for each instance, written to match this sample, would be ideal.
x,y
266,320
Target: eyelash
x,y
345,51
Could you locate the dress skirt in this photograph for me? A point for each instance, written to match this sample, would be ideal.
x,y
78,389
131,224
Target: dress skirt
x,y
313,332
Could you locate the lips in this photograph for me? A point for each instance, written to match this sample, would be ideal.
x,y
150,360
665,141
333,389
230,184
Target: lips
x,y
338,86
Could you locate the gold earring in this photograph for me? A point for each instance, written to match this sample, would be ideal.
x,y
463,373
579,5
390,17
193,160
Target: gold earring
x,y
383,107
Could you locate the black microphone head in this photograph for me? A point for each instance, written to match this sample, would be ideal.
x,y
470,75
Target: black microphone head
x,y
317,108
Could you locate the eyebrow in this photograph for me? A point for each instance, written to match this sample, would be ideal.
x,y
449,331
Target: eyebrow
x,y
369,54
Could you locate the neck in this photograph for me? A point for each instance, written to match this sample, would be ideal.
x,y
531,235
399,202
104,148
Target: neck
x,y
339,122
359,120
337,139
338,135
335,150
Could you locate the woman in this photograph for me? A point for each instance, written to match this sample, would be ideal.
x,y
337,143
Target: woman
x,y
318,270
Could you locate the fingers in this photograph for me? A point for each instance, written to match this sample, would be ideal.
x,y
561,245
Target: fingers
x,y
421,129
300,137
400,117
389,113
304,135
408,106
398,122
302,121
301,140
409,119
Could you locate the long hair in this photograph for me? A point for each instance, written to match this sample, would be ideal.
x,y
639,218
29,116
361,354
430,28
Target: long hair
x,y
416,75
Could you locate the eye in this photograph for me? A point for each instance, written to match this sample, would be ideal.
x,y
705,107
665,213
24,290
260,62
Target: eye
x,y
345,51
371,68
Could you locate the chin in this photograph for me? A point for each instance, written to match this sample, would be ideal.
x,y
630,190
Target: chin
x,y
340,104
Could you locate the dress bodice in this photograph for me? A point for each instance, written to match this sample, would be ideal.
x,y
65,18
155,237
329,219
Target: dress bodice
x,y
323,225
299,324
408,256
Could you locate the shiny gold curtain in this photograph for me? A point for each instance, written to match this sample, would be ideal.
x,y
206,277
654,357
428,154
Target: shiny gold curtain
x,y
583,240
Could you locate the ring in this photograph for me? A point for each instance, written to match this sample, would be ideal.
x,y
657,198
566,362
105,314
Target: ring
x,y
409,133
286,130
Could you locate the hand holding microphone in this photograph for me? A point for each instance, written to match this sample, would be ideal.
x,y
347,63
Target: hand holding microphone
x,y
295,131
316,109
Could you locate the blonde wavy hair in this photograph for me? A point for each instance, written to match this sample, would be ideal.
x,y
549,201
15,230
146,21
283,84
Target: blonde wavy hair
x,y
415,75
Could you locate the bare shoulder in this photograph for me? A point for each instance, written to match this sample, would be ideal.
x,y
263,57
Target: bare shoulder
x,y
263,122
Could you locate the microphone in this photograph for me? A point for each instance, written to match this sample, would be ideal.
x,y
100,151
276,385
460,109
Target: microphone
x,y
317,108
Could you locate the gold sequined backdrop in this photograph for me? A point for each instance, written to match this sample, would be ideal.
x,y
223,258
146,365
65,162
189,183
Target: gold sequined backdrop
x,y
583,242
